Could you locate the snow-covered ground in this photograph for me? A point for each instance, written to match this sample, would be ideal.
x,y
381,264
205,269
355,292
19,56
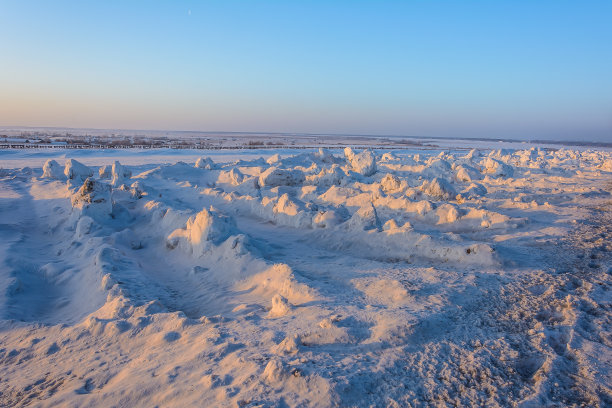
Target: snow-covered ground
x,y
306,278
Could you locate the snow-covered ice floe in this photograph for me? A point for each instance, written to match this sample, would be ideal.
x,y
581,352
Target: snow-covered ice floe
x,y
319,278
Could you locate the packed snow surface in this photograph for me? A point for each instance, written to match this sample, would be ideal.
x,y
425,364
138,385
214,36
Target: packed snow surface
x,y
309,278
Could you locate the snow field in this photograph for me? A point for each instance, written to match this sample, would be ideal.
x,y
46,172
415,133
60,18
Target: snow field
x,y
314,279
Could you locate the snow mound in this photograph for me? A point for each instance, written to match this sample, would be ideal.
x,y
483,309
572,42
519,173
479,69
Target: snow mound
x,y
77,171
447,213
606,165
289,345
205,163
203,229
280,306
274,177
93,198
285,205
472,154
474,190
365,219
496,168
363,163
279,279
439,189
233,177
327,177
467,173
324,156
437,167
275,372
119,174
390,183
53,170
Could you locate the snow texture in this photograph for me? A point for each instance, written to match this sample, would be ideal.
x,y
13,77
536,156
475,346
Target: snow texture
x,y
310,278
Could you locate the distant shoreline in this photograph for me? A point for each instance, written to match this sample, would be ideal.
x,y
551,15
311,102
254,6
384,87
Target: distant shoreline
x,y
169,138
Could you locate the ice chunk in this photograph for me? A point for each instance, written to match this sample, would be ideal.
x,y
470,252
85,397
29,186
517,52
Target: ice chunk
x,y
105,172
274,159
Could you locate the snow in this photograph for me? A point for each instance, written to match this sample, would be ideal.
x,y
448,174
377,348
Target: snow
x,y
206,226
307,277
363,163
205,163
53,170
93,197
76,170
439,189
120,174
274,177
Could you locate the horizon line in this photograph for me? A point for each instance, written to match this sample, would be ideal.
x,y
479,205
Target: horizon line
x,y
232,132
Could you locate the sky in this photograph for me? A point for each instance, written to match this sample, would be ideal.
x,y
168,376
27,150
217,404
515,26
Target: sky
x,y
512,69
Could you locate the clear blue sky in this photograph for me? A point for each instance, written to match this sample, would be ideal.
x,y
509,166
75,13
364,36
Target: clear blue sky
x,y
438,68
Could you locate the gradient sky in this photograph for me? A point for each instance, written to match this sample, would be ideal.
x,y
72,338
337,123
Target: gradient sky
x,y
523,69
